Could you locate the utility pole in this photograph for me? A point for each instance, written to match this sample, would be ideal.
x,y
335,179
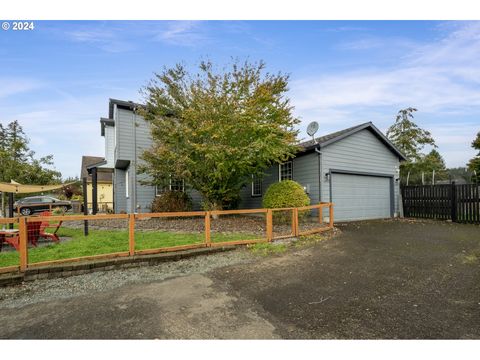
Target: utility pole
x,y
10,208
85,206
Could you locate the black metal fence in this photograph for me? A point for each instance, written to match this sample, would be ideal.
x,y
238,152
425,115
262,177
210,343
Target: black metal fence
x,y
459,203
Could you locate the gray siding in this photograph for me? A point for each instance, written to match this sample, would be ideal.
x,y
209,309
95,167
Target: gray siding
x,y
247,201
133,137
131,129
362,152
109,146
120,201
145,194
305,172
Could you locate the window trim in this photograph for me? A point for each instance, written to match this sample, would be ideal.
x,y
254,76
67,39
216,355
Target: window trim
x,y
252,194
158,193
280,170
183,185
127,184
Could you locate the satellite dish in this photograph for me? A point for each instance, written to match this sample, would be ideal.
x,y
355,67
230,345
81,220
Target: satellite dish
x,y
312,128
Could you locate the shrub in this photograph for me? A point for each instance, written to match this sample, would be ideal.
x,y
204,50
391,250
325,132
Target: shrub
x,y
172,201
285,194
77,198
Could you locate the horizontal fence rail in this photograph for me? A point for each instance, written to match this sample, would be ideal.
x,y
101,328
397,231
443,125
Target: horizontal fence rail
x,y
133,233
459,203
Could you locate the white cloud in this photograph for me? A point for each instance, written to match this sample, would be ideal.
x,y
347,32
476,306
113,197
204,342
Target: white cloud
x,y
124,36
439,78
183,33
12,86
59,128
362,44
105,38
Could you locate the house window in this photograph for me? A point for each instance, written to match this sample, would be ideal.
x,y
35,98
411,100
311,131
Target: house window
x,y
126,184
174,185
256,186
286,171
177,185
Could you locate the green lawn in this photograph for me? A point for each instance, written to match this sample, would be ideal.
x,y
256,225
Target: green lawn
x,y
74,244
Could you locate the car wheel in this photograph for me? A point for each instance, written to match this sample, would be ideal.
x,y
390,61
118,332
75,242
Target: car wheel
x,y
64,209
26,211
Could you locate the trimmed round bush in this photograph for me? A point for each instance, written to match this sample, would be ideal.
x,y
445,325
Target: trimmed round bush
x,y
284,194
172,201
287,193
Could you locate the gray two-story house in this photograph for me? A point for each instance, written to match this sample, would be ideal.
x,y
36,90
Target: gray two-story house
x,y
356,168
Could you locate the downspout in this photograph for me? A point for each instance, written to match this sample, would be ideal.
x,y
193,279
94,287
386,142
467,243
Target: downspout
x,y
317,150
134,182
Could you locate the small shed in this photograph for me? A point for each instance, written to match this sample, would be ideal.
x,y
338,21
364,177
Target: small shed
x,y
356,168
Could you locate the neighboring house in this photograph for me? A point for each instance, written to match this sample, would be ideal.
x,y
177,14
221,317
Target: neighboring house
x,y
356,168
104,183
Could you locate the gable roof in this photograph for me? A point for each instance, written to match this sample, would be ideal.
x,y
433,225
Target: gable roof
x,y
129,105
339,135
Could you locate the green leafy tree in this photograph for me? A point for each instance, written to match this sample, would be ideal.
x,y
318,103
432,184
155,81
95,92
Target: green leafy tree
x,y
459,173
216,128
474,163
73,188
18,162
433,163
410,139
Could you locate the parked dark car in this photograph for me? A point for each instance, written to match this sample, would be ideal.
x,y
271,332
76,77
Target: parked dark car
x,y
33,204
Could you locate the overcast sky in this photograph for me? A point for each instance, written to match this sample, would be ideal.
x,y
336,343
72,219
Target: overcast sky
x,y
57,79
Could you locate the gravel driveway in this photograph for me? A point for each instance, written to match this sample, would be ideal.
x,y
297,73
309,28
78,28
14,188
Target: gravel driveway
x,y
375,280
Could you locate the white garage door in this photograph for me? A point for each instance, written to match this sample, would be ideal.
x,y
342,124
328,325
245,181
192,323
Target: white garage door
x,y
360,197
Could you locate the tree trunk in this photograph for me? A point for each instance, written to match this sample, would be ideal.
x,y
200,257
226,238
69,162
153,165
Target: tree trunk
x,y
2,210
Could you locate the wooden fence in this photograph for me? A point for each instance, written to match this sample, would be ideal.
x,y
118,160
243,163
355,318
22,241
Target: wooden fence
x,y
459,203
24,264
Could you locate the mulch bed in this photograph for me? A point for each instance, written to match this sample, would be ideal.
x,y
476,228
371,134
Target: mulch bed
x,y
224,224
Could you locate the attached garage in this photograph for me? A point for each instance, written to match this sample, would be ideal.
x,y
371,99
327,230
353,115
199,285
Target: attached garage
x,y
361,196
358,169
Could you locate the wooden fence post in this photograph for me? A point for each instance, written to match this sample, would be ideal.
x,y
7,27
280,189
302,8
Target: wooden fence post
x,y
453,199
330,215
11,212
320,214
23,239
131,234
295,222
208,240
269,225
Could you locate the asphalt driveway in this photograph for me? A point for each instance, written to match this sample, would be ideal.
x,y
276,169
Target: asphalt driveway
x,y
378,279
